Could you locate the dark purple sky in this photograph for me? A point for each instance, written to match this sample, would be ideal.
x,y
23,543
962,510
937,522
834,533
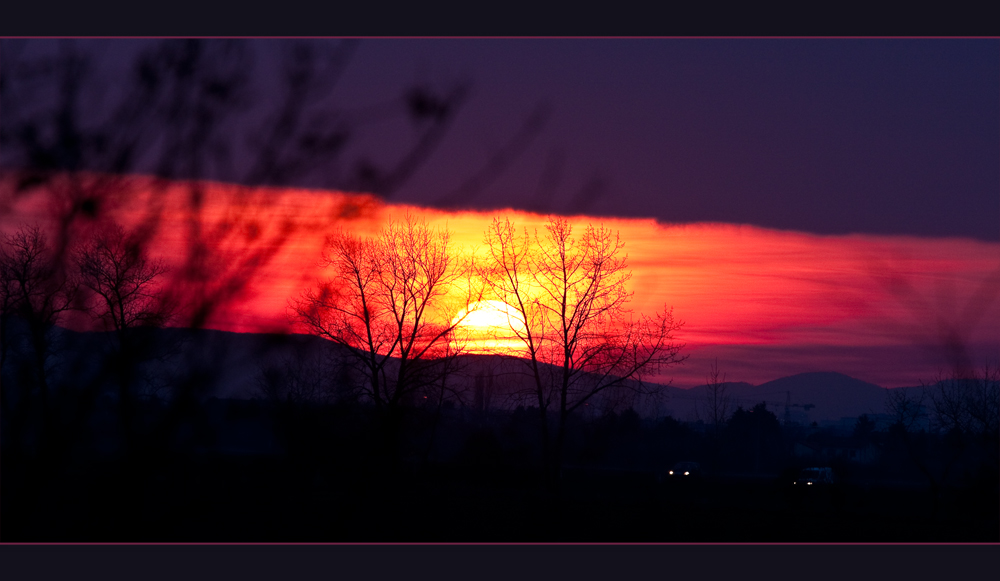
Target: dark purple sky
x,y
819,135
827,136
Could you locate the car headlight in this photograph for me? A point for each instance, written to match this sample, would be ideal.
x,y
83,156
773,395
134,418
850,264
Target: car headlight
x,y
671,473
687,473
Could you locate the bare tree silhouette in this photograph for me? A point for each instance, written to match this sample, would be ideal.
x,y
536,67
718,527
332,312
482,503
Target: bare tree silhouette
x,y
115,268
37,293
910,415
717,405
392,301
571,300
906,410
966,410
127,287
969,403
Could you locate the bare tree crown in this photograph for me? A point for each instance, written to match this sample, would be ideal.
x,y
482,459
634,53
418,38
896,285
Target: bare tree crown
x,y
116,269
31,284
572,292
392,295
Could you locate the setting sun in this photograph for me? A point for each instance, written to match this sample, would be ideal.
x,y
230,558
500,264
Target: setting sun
x,y
489,327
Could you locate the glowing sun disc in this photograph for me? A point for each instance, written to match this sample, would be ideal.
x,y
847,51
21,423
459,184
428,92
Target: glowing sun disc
x,y
495,318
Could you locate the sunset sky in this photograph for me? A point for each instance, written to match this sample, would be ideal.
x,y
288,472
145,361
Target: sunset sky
x,y
803,205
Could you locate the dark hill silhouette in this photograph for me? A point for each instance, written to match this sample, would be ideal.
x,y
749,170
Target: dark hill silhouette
x,y
228,365
832,396
835,395
214,363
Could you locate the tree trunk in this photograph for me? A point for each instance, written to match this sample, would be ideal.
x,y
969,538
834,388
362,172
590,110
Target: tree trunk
x,y
546,447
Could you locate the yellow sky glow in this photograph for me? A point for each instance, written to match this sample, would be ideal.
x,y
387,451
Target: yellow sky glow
x,y
731,284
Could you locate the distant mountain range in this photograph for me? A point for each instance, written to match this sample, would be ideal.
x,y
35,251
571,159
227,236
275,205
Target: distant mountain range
x,y
230,365
813,397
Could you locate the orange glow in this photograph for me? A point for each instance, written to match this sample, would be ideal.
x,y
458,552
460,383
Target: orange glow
x,y
490,327
738,288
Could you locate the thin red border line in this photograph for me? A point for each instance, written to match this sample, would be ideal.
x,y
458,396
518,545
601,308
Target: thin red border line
x,y
466,543
508,543
381,37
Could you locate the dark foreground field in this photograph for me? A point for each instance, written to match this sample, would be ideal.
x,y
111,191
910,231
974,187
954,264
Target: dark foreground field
x,y
219,499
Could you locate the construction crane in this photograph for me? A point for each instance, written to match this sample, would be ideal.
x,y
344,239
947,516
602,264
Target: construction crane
x,y
787,418
787,404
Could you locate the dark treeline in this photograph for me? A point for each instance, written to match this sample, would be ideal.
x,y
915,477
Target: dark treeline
x,y
300,455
